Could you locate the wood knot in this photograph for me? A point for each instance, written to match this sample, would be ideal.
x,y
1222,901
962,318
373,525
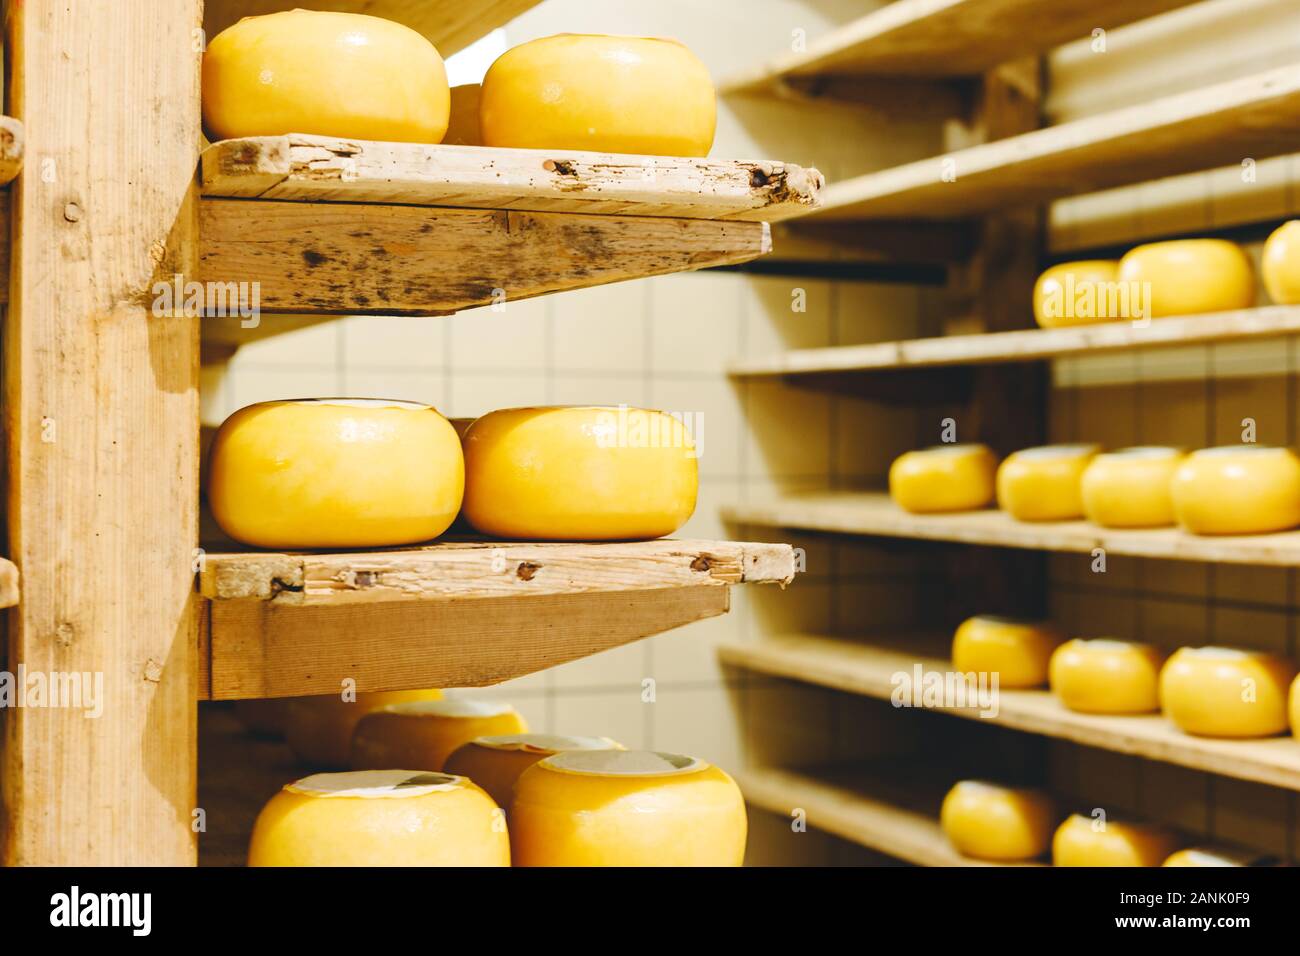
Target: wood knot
x,y
701,563
153,671
527,570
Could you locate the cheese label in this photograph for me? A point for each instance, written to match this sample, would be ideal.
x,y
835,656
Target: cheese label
x,y
623,763
374,784
545,743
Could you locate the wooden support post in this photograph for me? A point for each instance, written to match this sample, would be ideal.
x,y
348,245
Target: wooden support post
x,y
101,416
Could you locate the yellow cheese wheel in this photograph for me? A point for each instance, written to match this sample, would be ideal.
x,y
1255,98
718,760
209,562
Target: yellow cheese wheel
x,y
495,763
425,733
463,128
626,808
1105,676
1187,276
992,822
380,818
580,473
1078,293
335,473
610,94
1238,489
1226,692
943,478
1017,651
265,718
328,74
1216,856
1081,841
1281,263
1129,488
1295,707
319,729
1045,483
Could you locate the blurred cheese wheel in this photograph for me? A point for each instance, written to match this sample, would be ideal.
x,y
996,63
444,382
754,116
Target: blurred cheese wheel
x,y
1044,484
319,729
495,763
335,473
1017,651
265,718
380,818
1281,264
1226,692
327,74
1129,488
579,473
1080,841
1215,856
425,733
463,128
943,478
1187,276
992,822
1295,707
626,808
1078,293
1104,676
609,94
1238,489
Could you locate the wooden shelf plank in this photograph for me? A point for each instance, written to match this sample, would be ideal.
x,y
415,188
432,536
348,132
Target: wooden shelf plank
x,y
873,514
12,142
1027,345
943,38
8,583
870,668
1256,116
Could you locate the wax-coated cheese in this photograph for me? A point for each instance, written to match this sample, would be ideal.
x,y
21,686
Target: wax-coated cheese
x,y
1017,651
319,729
1216,856
1079,293
425,733
1226,692
265,718
992,822
1130,488
582,473
1281,263
1045,483
1105,676
943,478
1238,489
608,94
626,808
328,74
380,818
1188,276
495,763
1081,841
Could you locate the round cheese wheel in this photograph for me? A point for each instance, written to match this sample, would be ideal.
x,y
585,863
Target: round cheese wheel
x,y
327,74
943,478
1045,483
609,94
1238,489
380,818
581,473
424,733
1081,841
319,729
265,718
1295,707
1078,293
1105,676
495,763
1281,263
1216,856
1017,651
1129,488
1187,276
992,822
463,128
335,473
1226,692
626,808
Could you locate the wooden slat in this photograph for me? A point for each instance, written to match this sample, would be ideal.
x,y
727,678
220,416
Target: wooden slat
x,y
870,669
305,168
450,24
408,260
11,149
1027,345
8,583
1256,116
4,246
469,570
873,514
264,649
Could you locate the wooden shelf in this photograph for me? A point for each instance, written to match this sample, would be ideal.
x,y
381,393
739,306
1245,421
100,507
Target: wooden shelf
x,y
869,669
873,514
458,614
872,810
1256,116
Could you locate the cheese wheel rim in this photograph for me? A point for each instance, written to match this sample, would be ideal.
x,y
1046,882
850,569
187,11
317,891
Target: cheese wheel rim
x,y
1106,676
1237,489
1044,483
1226,692
944,478
988,821
1130,487
1018,651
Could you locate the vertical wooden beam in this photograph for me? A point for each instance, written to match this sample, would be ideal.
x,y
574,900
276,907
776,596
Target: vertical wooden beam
x,y
101,418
